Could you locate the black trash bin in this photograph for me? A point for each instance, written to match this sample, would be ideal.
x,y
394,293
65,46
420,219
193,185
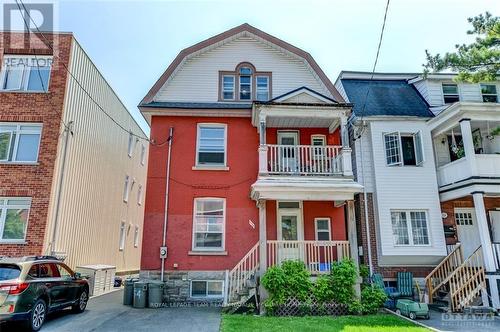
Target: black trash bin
x,y
128,292
140,294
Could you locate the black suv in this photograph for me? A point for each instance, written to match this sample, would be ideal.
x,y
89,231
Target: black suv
x,y
32,287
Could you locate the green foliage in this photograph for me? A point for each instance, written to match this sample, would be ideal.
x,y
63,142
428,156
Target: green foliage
x,y
343,278
475,62
274,281
289,279
323,289
364,271
15,223
372,299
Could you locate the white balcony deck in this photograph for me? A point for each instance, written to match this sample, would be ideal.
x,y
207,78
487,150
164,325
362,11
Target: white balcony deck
x,y
485,165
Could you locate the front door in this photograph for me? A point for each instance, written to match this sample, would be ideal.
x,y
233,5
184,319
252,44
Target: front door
x,y
288,156
290,231
468,232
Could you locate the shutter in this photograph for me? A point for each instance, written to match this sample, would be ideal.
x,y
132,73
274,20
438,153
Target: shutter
x,y
419,150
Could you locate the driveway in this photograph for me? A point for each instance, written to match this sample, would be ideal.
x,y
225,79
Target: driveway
x,y
461,322
106,313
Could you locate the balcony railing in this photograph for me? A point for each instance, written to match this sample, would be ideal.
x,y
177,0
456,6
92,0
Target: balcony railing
x,y
304,160
485,165
318,256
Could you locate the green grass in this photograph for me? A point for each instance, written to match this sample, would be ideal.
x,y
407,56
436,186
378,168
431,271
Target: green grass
x,y
372,323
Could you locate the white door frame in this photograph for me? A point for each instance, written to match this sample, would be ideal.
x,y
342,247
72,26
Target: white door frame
x,y
472,211
296,212
288,133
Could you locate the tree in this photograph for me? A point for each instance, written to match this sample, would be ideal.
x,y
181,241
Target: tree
x,y
478,61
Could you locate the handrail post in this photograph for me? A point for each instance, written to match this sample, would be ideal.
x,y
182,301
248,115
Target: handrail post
x,y
345,154
263,160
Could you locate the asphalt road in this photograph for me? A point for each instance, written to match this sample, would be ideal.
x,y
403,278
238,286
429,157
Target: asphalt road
x,y
107,313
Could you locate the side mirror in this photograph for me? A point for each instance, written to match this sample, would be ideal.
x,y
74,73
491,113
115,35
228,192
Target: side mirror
x,y
77,275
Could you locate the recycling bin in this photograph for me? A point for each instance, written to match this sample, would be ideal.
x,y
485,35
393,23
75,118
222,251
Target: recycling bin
x,y
128,292
155,294
140,294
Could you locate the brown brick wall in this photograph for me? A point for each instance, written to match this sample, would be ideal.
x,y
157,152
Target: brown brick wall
x,y
34,180
386,271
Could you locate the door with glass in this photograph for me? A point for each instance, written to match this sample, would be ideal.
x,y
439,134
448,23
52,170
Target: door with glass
x,y
290,232
288,141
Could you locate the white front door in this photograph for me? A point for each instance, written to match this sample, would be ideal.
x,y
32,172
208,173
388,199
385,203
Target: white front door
x,y
290,229
495,226
288,158
468,232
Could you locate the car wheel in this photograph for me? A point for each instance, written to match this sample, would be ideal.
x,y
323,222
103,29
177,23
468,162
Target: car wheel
x,y
81,304
413,316
38,314
398,311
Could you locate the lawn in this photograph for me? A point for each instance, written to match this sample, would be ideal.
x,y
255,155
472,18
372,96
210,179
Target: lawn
x,y
381,322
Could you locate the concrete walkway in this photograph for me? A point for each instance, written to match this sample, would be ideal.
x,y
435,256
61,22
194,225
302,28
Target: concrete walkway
x,y
106,313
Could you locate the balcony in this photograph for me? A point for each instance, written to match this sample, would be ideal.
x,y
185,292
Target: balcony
x,y
483,165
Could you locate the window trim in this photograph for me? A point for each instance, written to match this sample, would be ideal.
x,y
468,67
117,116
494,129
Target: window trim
x,y
206,292
415,135
123,236
198,132
257,76
222,87
329,228
450,94
193,234
3,216
18,132
23,88
488,94
409,227
253,83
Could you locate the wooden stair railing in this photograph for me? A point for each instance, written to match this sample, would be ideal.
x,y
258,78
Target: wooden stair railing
x,y
467,281
442,273
243,272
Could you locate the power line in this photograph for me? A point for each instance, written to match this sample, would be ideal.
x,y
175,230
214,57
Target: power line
x,y
48,44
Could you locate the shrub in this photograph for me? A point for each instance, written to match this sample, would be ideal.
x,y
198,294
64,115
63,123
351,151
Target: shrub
x,y
343,278
289,279
274,281
323,290
364,271
372,299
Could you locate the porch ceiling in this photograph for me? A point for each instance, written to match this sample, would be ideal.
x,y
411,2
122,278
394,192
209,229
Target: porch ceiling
x,y
305,189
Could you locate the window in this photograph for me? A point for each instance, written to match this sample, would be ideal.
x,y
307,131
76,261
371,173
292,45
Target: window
x,y
136,236
318,140
450,93
211,145
228,87
19,142
64,271
245,83
143,155
139,195
322,227
14,214
262,88
403,149
207,288
25,73
409,227
125,188
209,224
48,270
463,218
489,92
122,236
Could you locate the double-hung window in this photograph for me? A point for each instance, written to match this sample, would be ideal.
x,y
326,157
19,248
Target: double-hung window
x,y
262,88
25,73
403,149
245,87
209,224
322,228
450,93
228,87
14,214
19,142
318,141
489,93
211,145
410,227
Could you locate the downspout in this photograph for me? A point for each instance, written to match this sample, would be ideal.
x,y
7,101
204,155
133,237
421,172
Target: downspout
x,y
365,201
67,132
167,188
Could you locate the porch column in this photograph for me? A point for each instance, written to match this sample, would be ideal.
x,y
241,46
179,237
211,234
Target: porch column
x,y
353,242
470,153
262,247
487,248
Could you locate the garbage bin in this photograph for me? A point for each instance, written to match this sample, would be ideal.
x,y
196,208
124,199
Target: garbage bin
x,y
155,294
128,292
140,294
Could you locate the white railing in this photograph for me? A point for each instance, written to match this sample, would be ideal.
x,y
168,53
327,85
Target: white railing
x,y
303,159
244,271
319,256
496,253
461,169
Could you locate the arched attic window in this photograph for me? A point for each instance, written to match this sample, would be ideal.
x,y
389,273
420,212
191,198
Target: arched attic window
x,y
244,84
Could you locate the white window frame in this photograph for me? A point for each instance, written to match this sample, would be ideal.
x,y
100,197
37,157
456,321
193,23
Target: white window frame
x,y
198,138
131,145
4,206
261,90
126,188
18,132
193,235
140,194
251,85
488,94
329,228
224,90
206,292
136,236
23,85
409,228
143,154
417,146
123,235
450,94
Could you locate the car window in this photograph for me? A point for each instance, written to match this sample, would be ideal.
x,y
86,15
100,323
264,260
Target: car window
x,y
33,272
64,271
9,271
48,270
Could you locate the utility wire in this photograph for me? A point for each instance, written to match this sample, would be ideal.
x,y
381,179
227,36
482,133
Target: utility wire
x,y
48,44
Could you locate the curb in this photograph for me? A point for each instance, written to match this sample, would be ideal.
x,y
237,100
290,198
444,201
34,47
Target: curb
x,y
413,321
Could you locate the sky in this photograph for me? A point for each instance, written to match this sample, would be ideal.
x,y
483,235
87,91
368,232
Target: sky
x,y
133,42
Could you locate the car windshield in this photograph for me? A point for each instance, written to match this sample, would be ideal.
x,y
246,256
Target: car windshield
x,y
9,271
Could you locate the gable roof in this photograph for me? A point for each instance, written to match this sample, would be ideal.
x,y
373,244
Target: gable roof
x,y
303,89
228,34
386,98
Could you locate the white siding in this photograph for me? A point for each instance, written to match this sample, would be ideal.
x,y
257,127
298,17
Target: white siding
x,y
197,79
422,87
441,150
97,162
406,187
470,92
432,91
340,88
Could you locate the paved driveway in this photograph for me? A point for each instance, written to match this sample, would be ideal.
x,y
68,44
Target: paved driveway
x,y
460,322
106,313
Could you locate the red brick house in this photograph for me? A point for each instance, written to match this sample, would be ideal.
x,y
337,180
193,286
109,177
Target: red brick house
x,y
259,168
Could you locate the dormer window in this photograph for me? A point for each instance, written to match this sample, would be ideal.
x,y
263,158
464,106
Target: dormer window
x,y
450,93
489,93
244,84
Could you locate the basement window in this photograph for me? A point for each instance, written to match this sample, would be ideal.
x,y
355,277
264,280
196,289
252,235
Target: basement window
x,y
207,288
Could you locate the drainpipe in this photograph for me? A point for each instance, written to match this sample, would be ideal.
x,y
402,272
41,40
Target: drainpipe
x,y
165,219
67,130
